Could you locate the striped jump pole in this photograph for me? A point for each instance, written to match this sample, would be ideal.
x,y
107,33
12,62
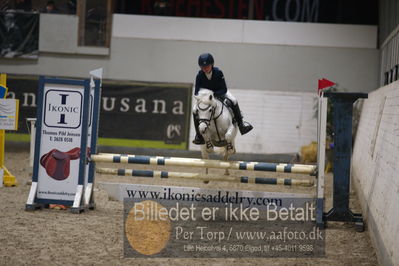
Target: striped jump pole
x,y
197,176
194,162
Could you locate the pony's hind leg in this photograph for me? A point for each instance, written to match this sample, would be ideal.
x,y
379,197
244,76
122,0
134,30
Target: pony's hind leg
x,y
229,150
226,172
226,158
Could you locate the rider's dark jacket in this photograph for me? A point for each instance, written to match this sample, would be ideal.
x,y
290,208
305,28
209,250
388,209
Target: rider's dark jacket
x,y
217,84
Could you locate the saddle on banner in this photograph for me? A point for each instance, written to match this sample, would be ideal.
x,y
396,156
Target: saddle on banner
x,y
57,163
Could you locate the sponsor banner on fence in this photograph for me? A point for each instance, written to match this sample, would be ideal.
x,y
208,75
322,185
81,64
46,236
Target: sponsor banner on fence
x,y
145,111
189,222
156,115
332,11
120,191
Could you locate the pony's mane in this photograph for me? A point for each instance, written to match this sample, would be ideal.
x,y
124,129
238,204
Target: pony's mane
x,y
204,92
203,96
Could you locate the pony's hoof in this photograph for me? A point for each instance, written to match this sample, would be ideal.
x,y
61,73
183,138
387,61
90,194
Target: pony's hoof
x,y
206,181
231,151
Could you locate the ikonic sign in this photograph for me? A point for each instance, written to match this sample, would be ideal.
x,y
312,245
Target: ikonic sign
x,y
64,111
62,125
65,137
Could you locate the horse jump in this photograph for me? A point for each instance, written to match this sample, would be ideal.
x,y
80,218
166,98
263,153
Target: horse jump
x,y
81,195
205,163
197,176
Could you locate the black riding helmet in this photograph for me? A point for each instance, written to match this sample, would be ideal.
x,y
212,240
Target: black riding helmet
x,y
205,60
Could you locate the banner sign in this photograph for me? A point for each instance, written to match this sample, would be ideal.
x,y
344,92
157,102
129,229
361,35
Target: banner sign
x,y
332,11
153,113
191,222
121,191
19,34
145,112
64,114
9,114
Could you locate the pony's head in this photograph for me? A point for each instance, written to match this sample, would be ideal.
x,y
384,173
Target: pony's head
x,y
205,106
205,96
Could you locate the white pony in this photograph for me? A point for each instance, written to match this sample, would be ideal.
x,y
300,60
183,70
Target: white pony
x,y
215,125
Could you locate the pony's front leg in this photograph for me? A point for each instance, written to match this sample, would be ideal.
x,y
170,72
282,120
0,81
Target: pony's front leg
x,y
226,157
208,144
230,147
230,137
206,149
204,155
204,152
229,150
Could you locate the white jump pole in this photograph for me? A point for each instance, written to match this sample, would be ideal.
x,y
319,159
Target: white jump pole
x,y
204,163
198,176
321,155
32,127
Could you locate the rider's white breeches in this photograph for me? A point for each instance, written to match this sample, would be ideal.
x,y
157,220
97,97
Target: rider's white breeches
x,y
231,97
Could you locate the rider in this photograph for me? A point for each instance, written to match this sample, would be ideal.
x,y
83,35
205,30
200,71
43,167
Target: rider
x,y
212,78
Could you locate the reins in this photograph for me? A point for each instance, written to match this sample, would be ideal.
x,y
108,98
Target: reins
x,y
208,121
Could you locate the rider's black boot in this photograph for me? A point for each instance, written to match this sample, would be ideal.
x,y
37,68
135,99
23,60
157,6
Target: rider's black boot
x,y
199,140
244,127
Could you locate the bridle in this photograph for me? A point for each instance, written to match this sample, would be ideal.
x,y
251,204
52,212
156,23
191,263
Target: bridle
x,y
211,109
206,108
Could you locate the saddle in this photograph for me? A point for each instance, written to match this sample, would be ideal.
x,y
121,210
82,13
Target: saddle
x,y
57,163
229,105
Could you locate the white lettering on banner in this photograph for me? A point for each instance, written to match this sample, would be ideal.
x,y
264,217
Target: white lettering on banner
x,y
296,10
173,130
312,11
140,108
11,95
27,96
159,106
178,108
105,101
156,104
125,105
